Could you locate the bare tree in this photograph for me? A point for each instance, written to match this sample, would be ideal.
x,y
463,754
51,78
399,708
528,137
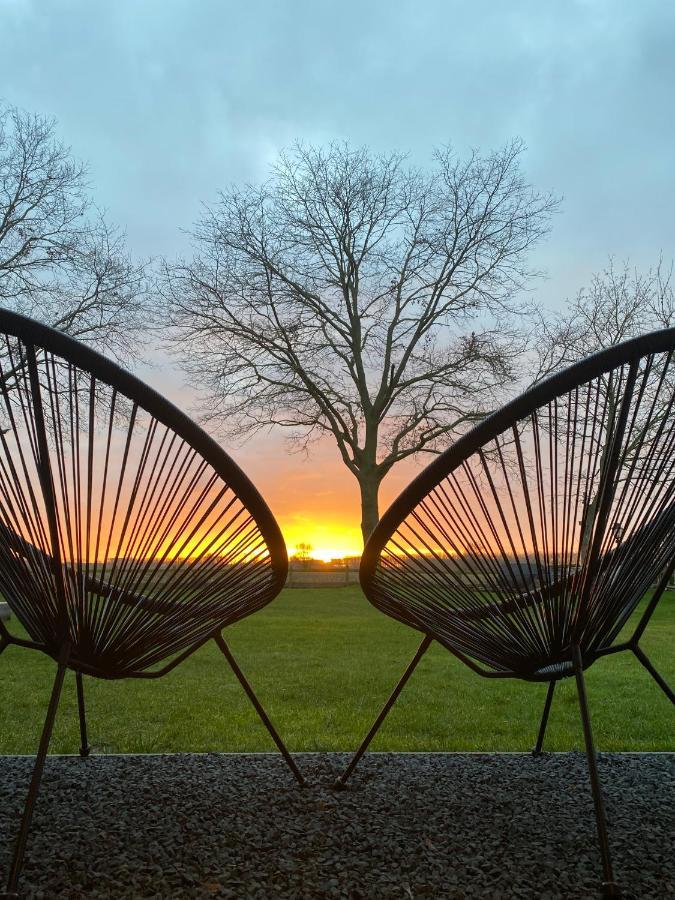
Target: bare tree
x,y
354,296
303,555
60,262
619,304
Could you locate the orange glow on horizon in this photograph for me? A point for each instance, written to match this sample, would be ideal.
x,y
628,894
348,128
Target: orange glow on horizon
x,y
327,541
315,500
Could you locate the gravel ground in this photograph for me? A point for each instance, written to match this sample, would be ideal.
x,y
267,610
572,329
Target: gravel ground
x,y
417,825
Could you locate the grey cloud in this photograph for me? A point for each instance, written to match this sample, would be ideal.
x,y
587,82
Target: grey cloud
x,y
169,101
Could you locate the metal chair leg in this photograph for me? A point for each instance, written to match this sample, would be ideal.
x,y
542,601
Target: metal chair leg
x,y
20,846
258,708
412,665
85,749
609,886
544,719
646,662
659,591
5,637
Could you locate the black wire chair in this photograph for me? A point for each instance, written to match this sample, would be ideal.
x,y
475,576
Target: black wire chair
x,y
526,546
128,537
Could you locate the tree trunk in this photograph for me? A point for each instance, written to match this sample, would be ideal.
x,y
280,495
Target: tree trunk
x,y
369,483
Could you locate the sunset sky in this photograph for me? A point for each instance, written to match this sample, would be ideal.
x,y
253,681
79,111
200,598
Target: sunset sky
x,y
169,102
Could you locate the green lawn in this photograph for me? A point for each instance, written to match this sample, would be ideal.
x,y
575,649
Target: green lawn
x,y
323,662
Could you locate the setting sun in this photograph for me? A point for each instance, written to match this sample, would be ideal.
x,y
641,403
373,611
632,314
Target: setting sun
x,y
326,542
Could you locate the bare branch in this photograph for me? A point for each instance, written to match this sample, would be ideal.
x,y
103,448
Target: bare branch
x,y
60,262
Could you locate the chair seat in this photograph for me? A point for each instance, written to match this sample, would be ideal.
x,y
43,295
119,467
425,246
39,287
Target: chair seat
x,y
555,670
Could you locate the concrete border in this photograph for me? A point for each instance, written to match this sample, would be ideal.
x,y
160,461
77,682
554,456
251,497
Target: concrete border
x,y
378,753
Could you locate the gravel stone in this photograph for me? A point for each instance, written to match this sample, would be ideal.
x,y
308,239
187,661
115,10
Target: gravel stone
x,y
451,826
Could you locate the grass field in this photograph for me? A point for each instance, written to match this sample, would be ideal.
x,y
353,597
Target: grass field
x,y
323,662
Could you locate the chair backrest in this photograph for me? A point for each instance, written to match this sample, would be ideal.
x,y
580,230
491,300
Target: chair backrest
x,y
124,528
544,525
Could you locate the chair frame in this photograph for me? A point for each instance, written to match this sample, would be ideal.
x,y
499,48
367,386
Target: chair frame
x,y
627,353
36,337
